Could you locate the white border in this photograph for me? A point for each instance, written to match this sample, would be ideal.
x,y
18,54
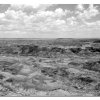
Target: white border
x,y
50,1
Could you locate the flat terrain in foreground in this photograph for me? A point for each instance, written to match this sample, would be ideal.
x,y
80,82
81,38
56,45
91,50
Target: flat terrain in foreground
x,y
54,67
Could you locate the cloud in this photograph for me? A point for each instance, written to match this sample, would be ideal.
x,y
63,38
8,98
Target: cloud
x,y
37,21
88,13
40,21
72,21
29,8
83,15
58,13
80,7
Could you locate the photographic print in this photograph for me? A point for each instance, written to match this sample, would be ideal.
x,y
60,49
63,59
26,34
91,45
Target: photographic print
x,y
49,50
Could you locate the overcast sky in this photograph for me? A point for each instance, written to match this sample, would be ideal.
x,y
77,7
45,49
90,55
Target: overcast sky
x,y
50,21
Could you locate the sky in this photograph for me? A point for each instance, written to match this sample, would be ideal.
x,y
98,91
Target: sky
x,y
49,20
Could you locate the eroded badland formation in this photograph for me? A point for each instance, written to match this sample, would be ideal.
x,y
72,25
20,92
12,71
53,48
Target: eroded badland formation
x,y
56,67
